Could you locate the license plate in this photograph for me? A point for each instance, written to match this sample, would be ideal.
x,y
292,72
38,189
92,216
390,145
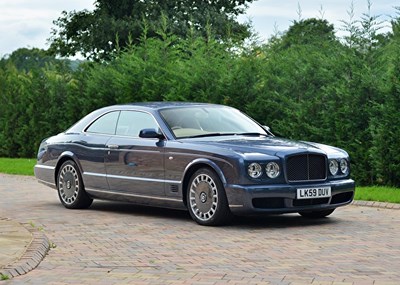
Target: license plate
x,y
310,193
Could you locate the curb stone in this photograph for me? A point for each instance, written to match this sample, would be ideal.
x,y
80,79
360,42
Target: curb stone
x,y
383,205
33,255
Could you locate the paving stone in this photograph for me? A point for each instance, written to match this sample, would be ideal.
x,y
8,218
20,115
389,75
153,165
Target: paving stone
x,y
118,243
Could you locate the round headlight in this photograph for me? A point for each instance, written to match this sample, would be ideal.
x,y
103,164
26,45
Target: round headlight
x,y
333,167
272,169
254,170
344,167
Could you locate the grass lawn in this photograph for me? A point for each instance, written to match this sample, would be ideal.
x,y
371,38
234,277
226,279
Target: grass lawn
x,y
24,166
378,193
20,166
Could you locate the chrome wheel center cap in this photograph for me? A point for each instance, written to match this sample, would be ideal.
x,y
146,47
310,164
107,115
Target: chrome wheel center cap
x,y
68,184
203,197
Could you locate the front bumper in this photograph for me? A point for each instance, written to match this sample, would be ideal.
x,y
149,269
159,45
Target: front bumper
x,y
282,198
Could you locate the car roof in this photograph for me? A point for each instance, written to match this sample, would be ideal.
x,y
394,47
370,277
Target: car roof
x,y
143,106
156,106
165,105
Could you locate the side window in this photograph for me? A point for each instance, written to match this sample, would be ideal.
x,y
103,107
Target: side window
x,y
106,124
130,123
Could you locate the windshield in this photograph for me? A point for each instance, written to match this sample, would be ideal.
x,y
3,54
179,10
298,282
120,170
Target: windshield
x,y
203,121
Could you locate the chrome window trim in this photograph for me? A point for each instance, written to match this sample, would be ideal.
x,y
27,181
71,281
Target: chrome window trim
x,y
121,110
98,117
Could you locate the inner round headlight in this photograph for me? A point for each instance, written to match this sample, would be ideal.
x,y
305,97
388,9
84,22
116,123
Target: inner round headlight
x,y
272,169
333,166
344,167
254,170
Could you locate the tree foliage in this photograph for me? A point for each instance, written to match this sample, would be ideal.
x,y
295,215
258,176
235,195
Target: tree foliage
x,y
305,84
385,122
113,25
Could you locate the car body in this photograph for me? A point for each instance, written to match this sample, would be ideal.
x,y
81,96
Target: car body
x,y
211,159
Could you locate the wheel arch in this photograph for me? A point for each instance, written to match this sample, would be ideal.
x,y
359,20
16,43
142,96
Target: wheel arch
x,y
195,165
65,156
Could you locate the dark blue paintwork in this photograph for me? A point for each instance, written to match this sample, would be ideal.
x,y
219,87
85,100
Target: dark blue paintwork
x,y
156,171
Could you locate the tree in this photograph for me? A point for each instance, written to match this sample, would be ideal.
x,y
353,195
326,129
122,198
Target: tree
x,y
310,31
113,25
38,98
385,125
25,59
317,89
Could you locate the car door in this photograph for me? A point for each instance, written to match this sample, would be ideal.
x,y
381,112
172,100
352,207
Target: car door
x,y
90,148
135,165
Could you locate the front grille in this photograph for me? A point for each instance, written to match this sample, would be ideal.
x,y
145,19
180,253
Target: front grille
x,y
306,167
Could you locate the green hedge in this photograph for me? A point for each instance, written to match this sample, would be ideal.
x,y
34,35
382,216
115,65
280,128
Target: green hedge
x,y
310,86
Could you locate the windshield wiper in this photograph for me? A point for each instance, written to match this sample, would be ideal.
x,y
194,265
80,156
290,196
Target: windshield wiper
x,y
225,134
209,135
251,134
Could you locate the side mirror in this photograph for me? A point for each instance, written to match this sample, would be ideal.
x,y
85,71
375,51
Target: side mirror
x,y
150,134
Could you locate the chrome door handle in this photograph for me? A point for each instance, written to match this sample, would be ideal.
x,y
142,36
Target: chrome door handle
x,y
113,146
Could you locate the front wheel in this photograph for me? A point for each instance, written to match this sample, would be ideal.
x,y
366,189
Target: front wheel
x,y
206,199
70,187
317,214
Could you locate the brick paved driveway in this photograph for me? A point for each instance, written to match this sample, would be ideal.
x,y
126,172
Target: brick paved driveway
x,y
115,243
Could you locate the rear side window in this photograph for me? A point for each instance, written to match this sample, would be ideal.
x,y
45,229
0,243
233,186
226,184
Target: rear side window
x,y
106,124
130,123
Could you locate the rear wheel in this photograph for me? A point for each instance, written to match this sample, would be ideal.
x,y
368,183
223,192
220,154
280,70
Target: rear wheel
x,y
206,199
70,187
317,214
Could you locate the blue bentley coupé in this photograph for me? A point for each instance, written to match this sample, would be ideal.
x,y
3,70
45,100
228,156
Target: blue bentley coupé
x,y
212,160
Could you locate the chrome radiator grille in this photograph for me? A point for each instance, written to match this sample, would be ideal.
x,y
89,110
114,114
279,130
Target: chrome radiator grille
x,y
306,167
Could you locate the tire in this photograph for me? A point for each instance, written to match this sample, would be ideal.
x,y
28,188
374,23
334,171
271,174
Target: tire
x,y
70,187
317,214
206,199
